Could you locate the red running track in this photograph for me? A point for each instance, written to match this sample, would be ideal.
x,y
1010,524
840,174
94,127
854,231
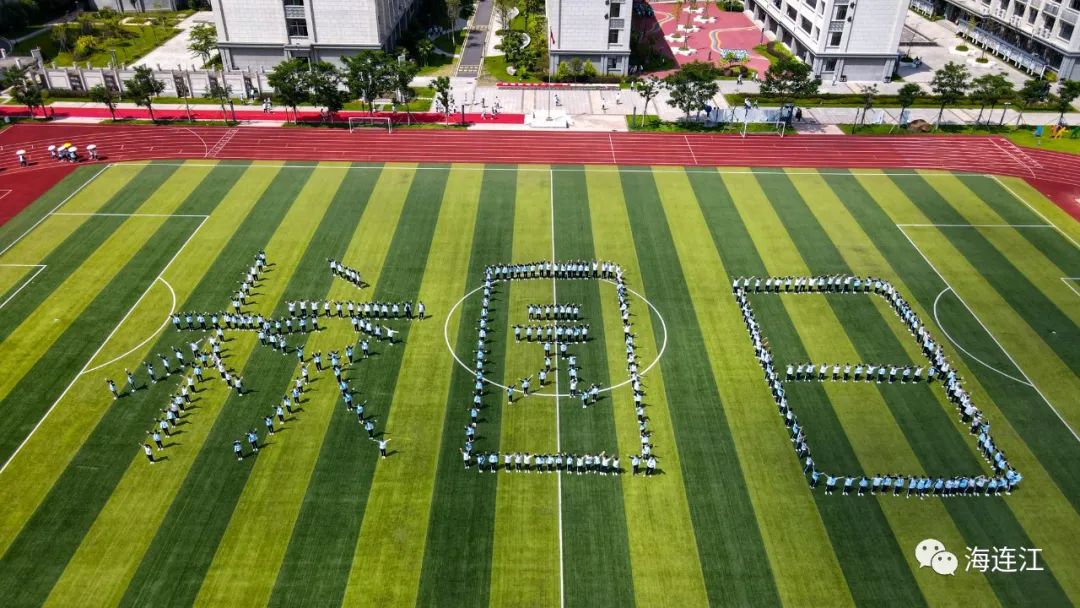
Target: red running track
x,y
1055,174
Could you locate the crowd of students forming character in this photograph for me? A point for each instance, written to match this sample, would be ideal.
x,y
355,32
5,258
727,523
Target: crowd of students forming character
x,y
1003,478
644,461
302,318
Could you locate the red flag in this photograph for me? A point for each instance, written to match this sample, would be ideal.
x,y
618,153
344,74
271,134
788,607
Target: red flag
x,y
551,34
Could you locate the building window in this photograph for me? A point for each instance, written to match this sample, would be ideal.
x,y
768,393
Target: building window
x,y
841,12
615,10
613,37
612,62
792,13
1075,5
812,4
296,27
1031,16
1066,31
1049,22
834,38
294,2
1018,9
830,65
805,24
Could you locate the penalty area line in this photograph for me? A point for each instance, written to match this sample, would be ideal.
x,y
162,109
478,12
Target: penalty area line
x,y
53,210
101,347
39,267
1067,280
989,333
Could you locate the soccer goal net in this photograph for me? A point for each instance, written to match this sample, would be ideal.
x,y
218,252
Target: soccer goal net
x,y
370,122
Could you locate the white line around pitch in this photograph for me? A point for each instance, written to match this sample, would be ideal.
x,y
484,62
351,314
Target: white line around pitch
x,y
992,336
53,210
40,267
99,349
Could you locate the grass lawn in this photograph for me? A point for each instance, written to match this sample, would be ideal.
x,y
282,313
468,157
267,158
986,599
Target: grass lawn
x,y
139,41
316,517
653,123
1022,136
834,100
495,69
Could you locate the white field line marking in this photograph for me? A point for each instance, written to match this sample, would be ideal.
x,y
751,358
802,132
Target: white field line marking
x,y
39,267
1036,211
77,214
558,437
1015,158
975,225
524,167
100,348
992,336
60,204
652,364
688,147
172,309
4,193
964,350
1066,280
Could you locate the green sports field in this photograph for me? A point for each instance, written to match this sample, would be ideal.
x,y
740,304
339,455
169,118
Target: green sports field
x,y
89,274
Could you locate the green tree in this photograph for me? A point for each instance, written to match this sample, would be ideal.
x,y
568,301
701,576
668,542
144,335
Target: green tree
x,y
368,74
503,10
950,84
513,48
1068,90
1034,90
289,83
324,82
84,46
143,87
689,91
401,79
28,92
202,41
219,93
907,96
453,11
103,94
423,49
62,36
532,7
442,95
647,88
990,89
10,75
869,92
789,78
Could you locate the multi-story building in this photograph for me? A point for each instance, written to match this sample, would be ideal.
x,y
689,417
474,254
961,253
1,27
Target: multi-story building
x,y
591,30
261,33
843,40
1034,35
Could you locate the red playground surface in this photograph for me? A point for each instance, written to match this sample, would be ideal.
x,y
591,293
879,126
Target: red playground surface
x,y
1056,174
247,113
717,32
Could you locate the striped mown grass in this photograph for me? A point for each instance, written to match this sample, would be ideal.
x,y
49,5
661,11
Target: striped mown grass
x,y
317,518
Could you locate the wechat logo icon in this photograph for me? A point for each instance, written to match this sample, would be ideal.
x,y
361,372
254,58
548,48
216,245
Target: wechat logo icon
x,y
932,553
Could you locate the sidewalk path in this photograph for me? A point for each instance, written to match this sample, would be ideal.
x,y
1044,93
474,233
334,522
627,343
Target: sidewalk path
x,y
174,52
472,55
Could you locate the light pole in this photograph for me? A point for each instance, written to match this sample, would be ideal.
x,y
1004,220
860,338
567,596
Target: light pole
x,y
232,108
1004,109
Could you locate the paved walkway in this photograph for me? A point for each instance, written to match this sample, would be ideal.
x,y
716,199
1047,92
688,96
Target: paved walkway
x,y
472,55
174,52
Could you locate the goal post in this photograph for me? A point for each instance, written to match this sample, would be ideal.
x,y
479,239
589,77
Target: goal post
x,y
369,122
